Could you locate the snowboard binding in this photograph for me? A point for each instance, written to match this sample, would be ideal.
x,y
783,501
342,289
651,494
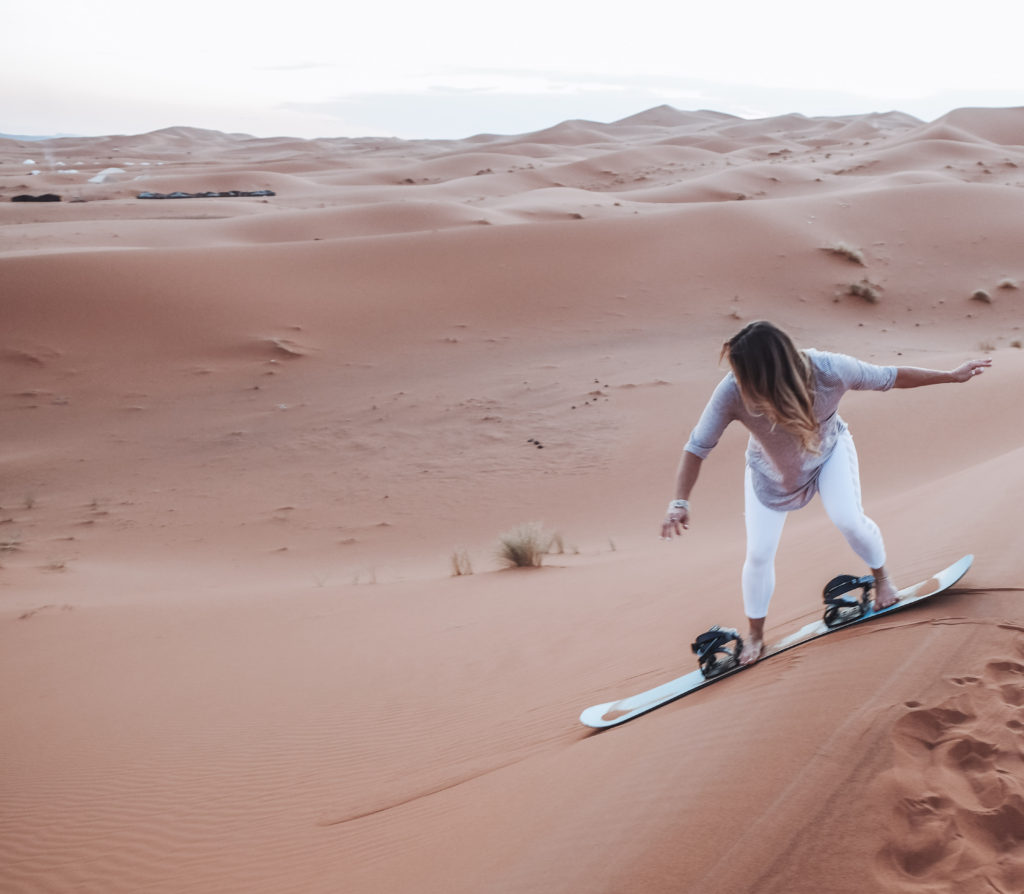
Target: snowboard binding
x,y
842,605
718,651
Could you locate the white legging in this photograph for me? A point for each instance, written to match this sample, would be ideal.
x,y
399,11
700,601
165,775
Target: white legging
x,y
839,486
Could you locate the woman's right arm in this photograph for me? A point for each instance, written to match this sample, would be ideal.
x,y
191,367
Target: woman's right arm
x,y
719,412
678,516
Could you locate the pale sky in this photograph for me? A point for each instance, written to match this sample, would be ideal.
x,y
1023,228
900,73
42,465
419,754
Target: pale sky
x,y
452,68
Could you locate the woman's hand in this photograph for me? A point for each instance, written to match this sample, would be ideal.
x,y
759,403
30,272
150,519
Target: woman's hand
x,y
967,371
676,519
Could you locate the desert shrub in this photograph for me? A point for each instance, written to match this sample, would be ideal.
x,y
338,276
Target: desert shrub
x,y
846,251
524,546
982,296
867,290
1008,284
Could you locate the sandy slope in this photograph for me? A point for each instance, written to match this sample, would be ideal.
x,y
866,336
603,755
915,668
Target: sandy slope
x,y
244,438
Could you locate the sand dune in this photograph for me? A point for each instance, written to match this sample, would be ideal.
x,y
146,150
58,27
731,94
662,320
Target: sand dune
x,y
245,437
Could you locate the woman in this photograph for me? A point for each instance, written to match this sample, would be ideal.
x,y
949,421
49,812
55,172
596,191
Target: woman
x,y
799,446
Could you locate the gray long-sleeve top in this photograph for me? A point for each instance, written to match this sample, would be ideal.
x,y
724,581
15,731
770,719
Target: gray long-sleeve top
x,y
785,474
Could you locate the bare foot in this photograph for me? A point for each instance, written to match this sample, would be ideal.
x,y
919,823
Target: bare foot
x,y
753,645
753,649
886,593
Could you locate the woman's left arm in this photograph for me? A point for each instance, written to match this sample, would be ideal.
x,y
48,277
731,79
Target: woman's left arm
x,y
915,377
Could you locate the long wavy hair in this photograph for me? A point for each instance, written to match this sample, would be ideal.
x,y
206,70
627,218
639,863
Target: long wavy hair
x,y
775,379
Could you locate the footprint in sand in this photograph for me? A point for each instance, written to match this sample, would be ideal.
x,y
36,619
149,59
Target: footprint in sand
x,y
957,789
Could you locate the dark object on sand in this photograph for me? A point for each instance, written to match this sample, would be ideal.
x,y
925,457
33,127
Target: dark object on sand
x,y
231,193
47,197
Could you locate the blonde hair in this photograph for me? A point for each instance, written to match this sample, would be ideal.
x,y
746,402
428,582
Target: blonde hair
x,y
775,380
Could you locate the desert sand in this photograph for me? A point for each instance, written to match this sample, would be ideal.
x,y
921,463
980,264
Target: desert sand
x,y
244,438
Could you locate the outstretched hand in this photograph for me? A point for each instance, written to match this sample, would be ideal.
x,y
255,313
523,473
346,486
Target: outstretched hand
x,y
676,521
967,371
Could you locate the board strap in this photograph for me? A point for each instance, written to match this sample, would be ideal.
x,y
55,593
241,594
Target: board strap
x,y
717,650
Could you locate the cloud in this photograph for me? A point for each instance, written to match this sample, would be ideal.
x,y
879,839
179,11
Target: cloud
x,y
295,66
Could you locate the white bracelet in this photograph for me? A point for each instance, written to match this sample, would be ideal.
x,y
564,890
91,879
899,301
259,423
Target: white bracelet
x,y
679,504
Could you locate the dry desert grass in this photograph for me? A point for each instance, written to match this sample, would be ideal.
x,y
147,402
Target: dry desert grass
x,y
525,546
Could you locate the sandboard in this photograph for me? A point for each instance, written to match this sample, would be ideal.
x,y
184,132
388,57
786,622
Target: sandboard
x,y
614,713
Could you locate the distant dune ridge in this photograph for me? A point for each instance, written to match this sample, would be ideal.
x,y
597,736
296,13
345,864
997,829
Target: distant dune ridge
x,y
248,439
